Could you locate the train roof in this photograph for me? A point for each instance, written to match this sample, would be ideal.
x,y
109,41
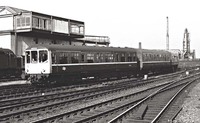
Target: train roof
x,y
92,48
81,48
155,51
6,51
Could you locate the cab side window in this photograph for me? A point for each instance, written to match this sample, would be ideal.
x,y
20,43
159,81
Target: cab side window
x,y
43,56
28,56
34,56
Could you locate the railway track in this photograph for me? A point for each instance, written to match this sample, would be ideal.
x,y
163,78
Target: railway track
x,y
17,91
152,108
101,112
36,108
10,79
8,110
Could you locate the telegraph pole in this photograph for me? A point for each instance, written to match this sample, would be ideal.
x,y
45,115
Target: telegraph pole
x,y
167,36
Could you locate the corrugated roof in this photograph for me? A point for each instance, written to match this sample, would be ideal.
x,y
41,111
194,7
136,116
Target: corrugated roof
x,y
13,10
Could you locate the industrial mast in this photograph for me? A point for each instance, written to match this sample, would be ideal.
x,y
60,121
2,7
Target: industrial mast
x,y
167,36
187,54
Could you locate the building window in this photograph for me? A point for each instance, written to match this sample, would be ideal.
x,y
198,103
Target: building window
x,y
35,22
48,24
77,28
18,22
23,21
45,24
28,21
41,23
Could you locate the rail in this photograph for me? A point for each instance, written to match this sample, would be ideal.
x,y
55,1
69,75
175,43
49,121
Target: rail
x,y
124,114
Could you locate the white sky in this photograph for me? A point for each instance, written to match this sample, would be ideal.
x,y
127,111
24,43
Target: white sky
x,y
127,22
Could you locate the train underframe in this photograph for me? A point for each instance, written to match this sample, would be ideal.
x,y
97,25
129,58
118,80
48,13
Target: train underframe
x,y
77,77
76,74
10,73
74,78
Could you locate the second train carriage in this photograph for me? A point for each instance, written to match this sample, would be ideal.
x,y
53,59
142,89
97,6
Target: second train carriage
x,y
158,61
51,63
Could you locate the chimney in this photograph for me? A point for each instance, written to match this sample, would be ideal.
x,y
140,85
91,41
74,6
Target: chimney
x,y
140,45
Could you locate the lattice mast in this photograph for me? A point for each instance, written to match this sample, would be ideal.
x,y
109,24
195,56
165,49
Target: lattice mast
x,y
167,36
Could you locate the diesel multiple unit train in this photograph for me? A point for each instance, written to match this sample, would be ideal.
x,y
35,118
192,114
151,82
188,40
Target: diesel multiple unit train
x,y
47,64
10,64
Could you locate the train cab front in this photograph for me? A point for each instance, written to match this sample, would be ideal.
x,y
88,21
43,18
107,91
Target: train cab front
x,y
37,64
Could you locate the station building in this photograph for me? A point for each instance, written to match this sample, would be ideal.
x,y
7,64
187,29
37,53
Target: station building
x,y
20,29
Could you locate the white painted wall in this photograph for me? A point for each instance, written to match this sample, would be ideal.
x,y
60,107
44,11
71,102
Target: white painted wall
x,y
6,23
25,42
5,41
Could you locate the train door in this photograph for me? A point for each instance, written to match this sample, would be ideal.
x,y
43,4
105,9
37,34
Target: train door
x,y
83,57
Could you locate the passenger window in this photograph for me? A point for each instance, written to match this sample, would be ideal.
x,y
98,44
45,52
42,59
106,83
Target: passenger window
x,y
34,56
122,57
75,57
109,57
28,57
63,58
90,57
130,58
99,57
134,57
43,56
53,57
82,57
117,57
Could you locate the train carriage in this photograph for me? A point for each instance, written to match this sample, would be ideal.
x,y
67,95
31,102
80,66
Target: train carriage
x,y
59,63
50,63
158,61
10,64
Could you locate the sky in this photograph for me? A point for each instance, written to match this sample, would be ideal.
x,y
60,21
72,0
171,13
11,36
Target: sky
x,y
127,22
